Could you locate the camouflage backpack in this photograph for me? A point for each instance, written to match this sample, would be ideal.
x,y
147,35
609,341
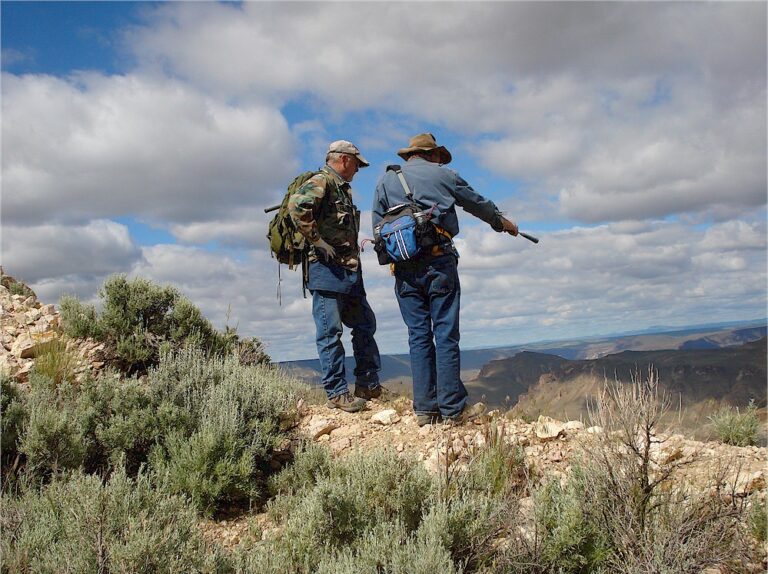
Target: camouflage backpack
x,y
285,241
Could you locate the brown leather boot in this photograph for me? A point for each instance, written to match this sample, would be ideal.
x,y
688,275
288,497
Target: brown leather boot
x,y
468,414
346,402
367,394
423,420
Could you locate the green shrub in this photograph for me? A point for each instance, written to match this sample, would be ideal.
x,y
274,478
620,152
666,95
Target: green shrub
x,y
325,513
56,435
213,467
221,422
468,526
78,524
387,548
124,422
138,319
477,505
187,378
737,428
13,416
589,524
311,464
645,515
138,316
621,510
758,520
365,489
206,426
570,538
390,548
78,319
94,426
377,512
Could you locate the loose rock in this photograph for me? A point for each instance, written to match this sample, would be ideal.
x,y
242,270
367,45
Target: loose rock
x,y
386,417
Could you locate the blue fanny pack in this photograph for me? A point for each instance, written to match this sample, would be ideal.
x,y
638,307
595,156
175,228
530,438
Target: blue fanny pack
x,y
405,231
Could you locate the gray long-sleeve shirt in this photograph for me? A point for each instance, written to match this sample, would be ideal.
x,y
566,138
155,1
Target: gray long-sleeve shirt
x,y
433,184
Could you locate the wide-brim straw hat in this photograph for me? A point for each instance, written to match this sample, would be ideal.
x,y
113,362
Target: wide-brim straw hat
x,y
425,142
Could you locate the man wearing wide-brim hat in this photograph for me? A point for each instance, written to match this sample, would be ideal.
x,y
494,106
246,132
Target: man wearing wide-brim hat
x,y
427,287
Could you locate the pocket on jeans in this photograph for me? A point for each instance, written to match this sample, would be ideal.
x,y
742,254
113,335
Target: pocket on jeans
x,y
403,288
442,281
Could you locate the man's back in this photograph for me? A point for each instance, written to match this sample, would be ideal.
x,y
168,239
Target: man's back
x,y
432,185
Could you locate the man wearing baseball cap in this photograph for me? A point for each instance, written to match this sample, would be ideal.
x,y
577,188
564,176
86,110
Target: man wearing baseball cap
x,y
325,214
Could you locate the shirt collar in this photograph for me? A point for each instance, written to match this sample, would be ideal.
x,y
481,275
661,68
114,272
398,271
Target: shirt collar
x,y
335,174
416,159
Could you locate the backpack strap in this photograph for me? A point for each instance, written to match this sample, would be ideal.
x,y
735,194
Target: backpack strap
x,y
441,247
329,179
401,177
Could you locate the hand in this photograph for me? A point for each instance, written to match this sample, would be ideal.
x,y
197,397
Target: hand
x,y
326,250
509,226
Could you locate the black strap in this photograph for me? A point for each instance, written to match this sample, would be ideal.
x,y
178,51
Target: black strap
x,y
401,177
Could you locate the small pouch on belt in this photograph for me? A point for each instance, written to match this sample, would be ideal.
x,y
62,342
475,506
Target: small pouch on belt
x,y
444,244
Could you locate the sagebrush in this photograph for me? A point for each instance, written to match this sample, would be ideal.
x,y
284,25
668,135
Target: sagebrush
x,y
139,319
204,427
80,524
380,512
112,473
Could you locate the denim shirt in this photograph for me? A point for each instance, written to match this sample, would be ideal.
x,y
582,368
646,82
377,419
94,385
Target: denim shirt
x,y
332,277
433,184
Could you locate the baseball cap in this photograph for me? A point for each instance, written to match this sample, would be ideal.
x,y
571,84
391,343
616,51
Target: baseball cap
x,y
343,146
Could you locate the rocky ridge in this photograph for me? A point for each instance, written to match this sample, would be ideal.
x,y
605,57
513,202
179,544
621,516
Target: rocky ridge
x,y
28,327
550,448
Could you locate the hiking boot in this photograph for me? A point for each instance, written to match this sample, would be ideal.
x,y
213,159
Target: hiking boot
x,y
367,394
346,402
423,420
468,414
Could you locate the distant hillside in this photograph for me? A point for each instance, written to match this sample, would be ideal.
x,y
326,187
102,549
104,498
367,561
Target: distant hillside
x,y
502,381
692,337
699,380
737,337
396,369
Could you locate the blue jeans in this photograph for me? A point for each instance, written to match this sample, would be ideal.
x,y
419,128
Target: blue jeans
x,y
331,311
429,294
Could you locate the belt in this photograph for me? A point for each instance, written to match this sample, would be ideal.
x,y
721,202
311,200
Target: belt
x,y
443,247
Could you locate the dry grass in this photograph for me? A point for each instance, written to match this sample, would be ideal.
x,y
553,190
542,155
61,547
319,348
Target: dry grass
x,y
56,362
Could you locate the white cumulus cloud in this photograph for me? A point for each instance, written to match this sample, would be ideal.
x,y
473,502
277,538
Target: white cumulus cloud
x,y
95,146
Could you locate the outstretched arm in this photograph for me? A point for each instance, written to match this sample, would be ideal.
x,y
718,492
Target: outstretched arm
x,y
475,204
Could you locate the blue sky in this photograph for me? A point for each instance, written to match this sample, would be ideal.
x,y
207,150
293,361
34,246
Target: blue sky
x,y
146,138
62,37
